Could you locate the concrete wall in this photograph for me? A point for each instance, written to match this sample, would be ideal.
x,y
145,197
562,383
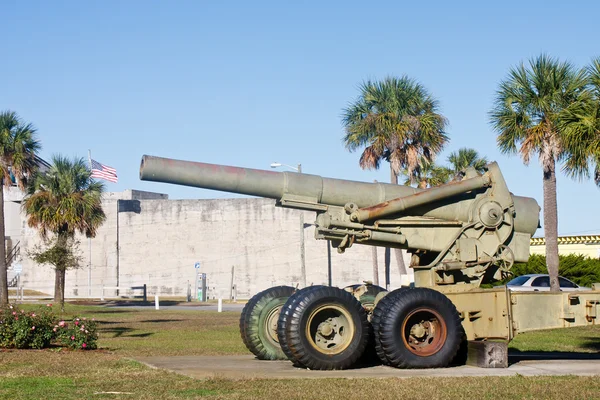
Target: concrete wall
x,y
160,240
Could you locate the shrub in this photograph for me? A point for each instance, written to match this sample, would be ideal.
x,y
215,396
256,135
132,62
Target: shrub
x,y
580,269
20,329
79,333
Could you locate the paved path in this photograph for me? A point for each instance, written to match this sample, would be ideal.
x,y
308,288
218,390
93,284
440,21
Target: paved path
x,y
244,367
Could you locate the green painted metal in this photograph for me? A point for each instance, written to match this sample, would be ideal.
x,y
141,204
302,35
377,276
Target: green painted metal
x,y
461,234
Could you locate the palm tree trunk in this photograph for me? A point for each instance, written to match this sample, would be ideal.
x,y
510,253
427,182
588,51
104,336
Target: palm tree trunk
x,y
387,254
375,266
3,266
59,288
393,176
400,262
551,223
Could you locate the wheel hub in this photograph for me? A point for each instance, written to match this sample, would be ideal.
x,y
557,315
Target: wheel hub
x,y
424,332
330,329
271,324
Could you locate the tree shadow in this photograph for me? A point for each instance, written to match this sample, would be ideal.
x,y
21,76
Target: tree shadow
x,y
118,332
137,303
141,335
162,320
515,356
592,343
110,311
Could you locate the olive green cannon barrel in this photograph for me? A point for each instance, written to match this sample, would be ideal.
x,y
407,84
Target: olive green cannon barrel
x,y
329,191
270,184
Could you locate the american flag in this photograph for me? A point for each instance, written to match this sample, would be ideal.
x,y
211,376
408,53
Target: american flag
x,y
102,171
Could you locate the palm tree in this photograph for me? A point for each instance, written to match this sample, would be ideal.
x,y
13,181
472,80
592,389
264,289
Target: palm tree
x,y
61,202
581,123
464,158
396,120
18,148
427,175
528,115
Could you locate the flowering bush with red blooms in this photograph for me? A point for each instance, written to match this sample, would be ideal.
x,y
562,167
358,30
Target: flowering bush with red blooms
x,y
22,330
37,329
79,333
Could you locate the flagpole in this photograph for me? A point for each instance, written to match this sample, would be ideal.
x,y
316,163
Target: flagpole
x,y
90,242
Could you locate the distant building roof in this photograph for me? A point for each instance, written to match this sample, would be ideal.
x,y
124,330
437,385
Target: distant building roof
x,y
579,239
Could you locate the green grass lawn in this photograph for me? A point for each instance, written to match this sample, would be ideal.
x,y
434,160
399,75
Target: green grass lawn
x,y
62,374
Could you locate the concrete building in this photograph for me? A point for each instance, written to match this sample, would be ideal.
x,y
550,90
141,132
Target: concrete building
x,y
246,242
587,245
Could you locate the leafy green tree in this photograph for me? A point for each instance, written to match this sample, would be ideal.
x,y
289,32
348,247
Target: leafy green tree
x,y
61,202
427,175
396,120
18,148
464,158
529,117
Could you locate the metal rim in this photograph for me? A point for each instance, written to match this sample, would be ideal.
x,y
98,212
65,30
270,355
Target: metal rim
x,y
270,324
330,328
424,331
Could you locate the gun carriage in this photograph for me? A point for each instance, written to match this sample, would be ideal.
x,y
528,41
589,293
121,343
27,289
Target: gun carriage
x,y
459,235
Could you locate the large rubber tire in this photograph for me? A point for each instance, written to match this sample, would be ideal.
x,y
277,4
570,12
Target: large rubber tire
x,y
380,312
258,322
422,329
327,329
283,320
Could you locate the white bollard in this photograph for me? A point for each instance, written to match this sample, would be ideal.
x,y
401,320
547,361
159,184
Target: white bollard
x,y
156,302
220,305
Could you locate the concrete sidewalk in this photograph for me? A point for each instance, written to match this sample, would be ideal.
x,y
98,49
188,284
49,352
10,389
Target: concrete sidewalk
x,y
246,366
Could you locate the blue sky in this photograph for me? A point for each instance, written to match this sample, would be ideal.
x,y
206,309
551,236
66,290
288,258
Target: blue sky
x,y
250,83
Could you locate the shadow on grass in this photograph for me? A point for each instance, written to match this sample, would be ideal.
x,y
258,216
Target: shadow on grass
x,y
514,356
162,320
141,335
592,343
124,332
129,303
110,311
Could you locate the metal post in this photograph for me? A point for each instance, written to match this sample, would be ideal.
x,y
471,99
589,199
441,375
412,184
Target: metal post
x,y
145,294
118,246
90,242
302,254
90,268
387,256
302,247
375,266
189,292
329,278
196,283
231,284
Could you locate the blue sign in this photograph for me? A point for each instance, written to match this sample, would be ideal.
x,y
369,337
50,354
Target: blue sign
x,y
197,265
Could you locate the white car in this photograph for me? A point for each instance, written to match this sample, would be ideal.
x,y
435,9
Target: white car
x,y
540,283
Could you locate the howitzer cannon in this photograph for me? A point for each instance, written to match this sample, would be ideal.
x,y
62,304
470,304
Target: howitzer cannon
x,y
460,235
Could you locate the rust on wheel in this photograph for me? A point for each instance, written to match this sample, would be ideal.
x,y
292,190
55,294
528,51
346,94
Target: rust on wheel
x,y
330,329
424,331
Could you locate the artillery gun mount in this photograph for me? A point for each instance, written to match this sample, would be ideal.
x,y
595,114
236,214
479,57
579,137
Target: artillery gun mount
x,y
460,235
